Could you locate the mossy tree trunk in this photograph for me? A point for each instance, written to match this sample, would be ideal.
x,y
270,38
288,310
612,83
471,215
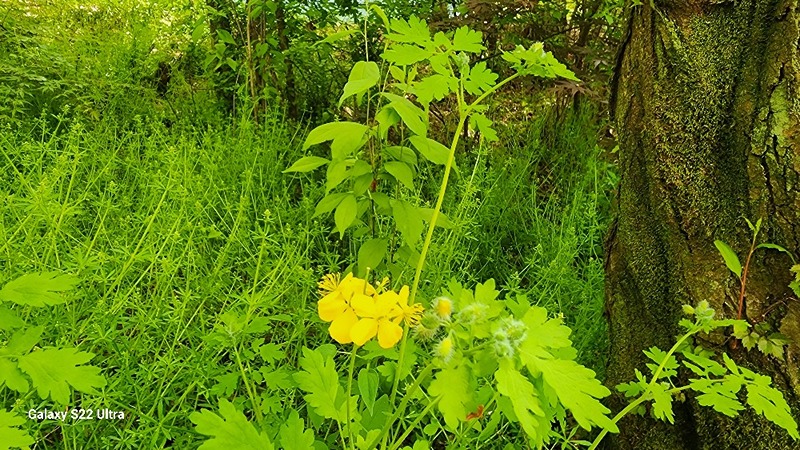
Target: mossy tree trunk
x,y
707,104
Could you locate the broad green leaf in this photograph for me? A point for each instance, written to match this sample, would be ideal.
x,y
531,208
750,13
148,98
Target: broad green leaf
x,y
386,118
339,35
408,221
482,124
320,381
731,260
337,172
345,214
307,164
776,247
368,381
54,370
401,172
550,334
525,401
371,253
381,14
328,203
363,76
578,390
9,319
229,431
452,388
403,154
466,40
225,36
441,220
11,436
347,137
38,289
22,341
411,114
11,376
430,149
405,55
293,435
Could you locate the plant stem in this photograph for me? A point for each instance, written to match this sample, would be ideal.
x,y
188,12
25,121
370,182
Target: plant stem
x,y
399,410
347,399
414,424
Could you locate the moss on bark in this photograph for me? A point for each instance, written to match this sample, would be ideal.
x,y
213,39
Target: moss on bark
x,y
708,112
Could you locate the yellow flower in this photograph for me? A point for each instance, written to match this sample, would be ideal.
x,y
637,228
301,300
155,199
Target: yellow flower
x,y
380,316
410,313
336,304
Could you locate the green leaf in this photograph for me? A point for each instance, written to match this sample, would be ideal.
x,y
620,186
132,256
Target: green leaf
x,y
441,220
321,383
403,154
22,341
347,137
657,355
408,221
525,401
339,35
11,437
769,401
38,289
776,247
482,124
328,203
413,31
368,381
405,55
371,254
466,40
293,435
662,402
436,87
345,214
9,320
578,390
307,164
411,115
452,388
480,79
225,36
53,370
401,172
337,172
11,376
230,430
731,260
430,149
363,76
537,62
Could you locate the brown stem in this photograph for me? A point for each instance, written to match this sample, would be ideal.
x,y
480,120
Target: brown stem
x,y
734,344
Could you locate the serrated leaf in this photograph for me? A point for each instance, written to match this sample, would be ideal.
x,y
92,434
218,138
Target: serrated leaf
x,y
320,381
22,341
662,402
525,401
731,260
293,435
452,388
657,356
769,402
483,125
363,76
434,87
578,390
405,55
38,289
432,151
229,431
413,31
9,320
720,399
401,172
11,437
371,254
54,370
306,164
11,376
345,214
466,40
480,79
632,389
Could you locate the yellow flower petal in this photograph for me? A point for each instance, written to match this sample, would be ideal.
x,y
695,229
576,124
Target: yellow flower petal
x,y
389,333
331,306
364,330
364,306
341,326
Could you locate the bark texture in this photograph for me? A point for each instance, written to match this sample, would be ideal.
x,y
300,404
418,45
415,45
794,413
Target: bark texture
x,y
707,106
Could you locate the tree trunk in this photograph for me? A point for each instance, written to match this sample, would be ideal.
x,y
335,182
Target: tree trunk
x,y
706,101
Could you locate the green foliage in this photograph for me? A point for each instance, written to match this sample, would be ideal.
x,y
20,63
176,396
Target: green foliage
x,y
229,430
11,436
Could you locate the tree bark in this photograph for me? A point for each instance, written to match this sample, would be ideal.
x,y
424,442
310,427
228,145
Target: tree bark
x,y
706,102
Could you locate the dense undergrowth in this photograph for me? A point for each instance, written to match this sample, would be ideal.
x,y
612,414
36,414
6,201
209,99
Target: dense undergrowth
x,y
171,231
